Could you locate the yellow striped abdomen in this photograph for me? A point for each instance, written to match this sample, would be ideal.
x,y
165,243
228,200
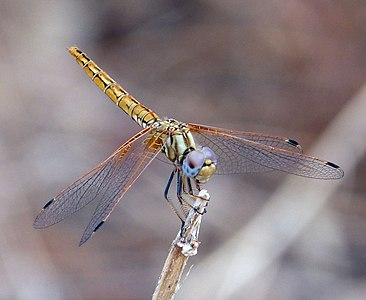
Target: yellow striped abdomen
x,y
137,111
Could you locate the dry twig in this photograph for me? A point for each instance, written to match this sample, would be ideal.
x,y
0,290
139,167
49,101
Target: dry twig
x,y
184,245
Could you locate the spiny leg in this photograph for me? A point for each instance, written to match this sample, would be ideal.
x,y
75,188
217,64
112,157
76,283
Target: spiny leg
x,y
166,192
198,187
188,190
181,190
182,183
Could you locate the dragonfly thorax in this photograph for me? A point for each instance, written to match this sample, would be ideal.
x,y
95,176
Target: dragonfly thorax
x,y
178,139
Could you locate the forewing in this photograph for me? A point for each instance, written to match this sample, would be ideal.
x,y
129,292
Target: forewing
x,y
269,140
241,155
99,183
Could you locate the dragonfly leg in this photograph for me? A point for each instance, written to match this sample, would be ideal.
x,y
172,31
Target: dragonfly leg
x,y
189,184
182,190
189,192
198,187
167,187
166,195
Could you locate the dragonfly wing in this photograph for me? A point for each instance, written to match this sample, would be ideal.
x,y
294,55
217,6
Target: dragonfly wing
x,y
74,197
127,168
241,155
99,183
269,140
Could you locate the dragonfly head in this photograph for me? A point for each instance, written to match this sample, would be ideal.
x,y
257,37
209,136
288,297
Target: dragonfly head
x,y
200,164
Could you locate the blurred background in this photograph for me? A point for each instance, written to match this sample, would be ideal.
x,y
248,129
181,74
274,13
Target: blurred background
x,y
291,68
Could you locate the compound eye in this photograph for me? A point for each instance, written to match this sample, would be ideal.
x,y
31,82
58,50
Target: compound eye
x,y
193,163
209,154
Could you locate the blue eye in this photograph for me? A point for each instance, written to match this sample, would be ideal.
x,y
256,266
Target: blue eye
x,y
193,163
209,154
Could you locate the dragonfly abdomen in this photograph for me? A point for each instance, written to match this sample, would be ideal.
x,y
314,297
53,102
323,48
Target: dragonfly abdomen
x,y
137,111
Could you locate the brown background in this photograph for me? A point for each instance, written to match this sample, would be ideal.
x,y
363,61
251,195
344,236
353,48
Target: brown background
x,y
280,67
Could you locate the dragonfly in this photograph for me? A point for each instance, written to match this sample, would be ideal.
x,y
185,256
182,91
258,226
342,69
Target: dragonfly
x,y
196,152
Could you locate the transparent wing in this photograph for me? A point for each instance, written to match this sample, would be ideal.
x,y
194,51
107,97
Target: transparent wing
x,y
246,153
106,183
269,140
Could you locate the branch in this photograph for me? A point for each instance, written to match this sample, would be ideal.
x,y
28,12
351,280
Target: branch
x,y
184,245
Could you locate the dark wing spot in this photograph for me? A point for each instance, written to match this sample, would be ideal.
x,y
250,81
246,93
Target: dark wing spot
x,y
332,165
99,225
48,203
292,142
